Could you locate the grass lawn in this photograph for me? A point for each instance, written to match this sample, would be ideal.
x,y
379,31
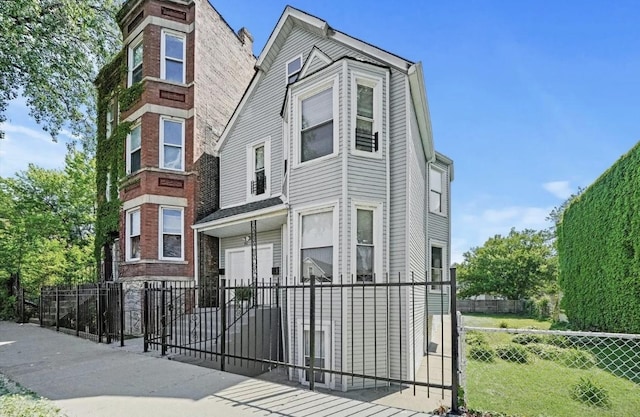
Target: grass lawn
x,y
543,387
16,401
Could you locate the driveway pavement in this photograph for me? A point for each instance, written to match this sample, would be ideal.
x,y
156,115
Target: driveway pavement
x,y
89,379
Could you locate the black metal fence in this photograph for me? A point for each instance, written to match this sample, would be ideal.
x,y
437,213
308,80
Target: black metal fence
x,y
92,311
341,335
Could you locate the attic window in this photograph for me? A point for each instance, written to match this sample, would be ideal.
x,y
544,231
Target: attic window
x,y
293,69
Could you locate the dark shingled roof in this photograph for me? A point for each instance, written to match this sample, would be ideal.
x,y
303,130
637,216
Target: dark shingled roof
x,y
245,208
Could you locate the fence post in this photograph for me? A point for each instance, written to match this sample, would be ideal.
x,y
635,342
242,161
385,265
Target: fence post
x,y
121,290
312,333
77,310
223,320
163,318
454,343
99,313
41,306
145,316
107,316
57,309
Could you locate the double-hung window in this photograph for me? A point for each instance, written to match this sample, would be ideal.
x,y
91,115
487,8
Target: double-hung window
x,y
436,190
259,169
172,143
173,57
171,227
258,185
436,267
135,61
133,235
293,69
316,246
134,149
316,122
366,114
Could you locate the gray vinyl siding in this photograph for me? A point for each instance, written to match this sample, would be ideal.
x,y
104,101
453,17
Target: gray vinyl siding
x,y
315,65
417,164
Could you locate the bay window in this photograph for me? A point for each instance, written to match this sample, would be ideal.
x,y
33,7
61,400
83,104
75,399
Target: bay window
x,y
364,245
171,227
134,150
135,61
436,190
173,57
172,143
367,114
316,246
133,235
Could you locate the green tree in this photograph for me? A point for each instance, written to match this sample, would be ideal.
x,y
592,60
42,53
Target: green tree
x,y
46,222
50,53
517,266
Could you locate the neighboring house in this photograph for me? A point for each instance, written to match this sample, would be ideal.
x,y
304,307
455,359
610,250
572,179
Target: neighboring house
x,y
330,157
175,85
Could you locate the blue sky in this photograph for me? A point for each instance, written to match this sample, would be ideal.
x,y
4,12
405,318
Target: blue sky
x,y
531,99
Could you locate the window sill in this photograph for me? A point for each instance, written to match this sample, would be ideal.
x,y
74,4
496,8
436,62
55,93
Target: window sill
x,y
368,155
438,213
155,261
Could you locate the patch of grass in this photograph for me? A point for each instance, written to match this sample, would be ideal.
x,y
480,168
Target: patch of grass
x,y
512,353
591,393
576,358
546,352
512,321
16,401
527,338
483,353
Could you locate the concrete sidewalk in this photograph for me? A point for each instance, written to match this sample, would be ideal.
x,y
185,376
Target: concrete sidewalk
x,y
89,379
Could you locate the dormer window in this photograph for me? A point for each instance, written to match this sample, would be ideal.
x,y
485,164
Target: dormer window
x,y
259,169
135,61
293,69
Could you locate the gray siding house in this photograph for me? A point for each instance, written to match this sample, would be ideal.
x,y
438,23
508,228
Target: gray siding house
x,y
330,152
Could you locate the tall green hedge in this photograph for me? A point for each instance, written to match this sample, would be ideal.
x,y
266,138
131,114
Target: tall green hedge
x,y
599,251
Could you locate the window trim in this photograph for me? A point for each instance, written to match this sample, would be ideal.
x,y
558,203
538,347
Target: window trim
x,y
443,192
376,207
443,246
376,82
161,233
129,151
163,57
328,328
133,45
251,168
162,144
303,94
128,214
332,207
286,70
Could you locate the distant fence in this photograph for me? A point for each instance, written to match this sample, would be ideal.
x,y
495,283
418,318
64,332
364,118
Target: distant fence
x,y
550,373
491,306
91,311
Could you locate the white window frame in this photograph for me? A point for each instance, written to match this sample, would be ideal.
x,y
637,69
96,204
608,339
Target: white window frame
x,y
128,214
163,57
266,142
110,116
443,190
162,145
286,70
134,44
376,83
297,233
445,271
305,93
161,233
130,151
327,328
376,207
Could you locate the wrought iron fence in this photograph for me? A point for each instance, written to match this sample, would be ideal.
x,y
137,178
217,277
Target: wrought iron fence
x,y
554,373
336,335
92,311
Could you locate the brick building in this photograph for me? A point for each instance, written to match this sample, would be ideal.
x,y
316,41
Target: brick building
x,y
173,88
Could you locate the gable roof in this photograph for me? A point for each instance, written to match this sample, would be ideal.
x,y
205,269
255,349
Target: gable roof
x,y
292,17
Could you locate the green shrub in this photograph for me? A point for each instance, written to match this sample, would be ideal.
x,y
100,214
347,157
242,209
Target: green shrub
x,y
513,353
243,293
527,338
7,306
475,338
503,325
557,340
482,353
589,392
543,351
576,358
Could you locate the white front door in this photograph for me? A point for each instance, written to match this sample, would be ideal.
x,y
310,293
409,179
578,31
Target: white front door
x,y
238,265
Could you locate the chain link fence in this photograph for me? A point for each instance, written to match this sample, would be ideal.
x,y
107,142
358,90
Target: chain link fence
x,y
528,372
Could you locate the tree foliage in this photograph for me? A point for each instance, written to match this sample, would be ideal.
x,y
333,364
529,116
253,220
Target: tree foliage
x,y
50,53
517,266
599,251
46,222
